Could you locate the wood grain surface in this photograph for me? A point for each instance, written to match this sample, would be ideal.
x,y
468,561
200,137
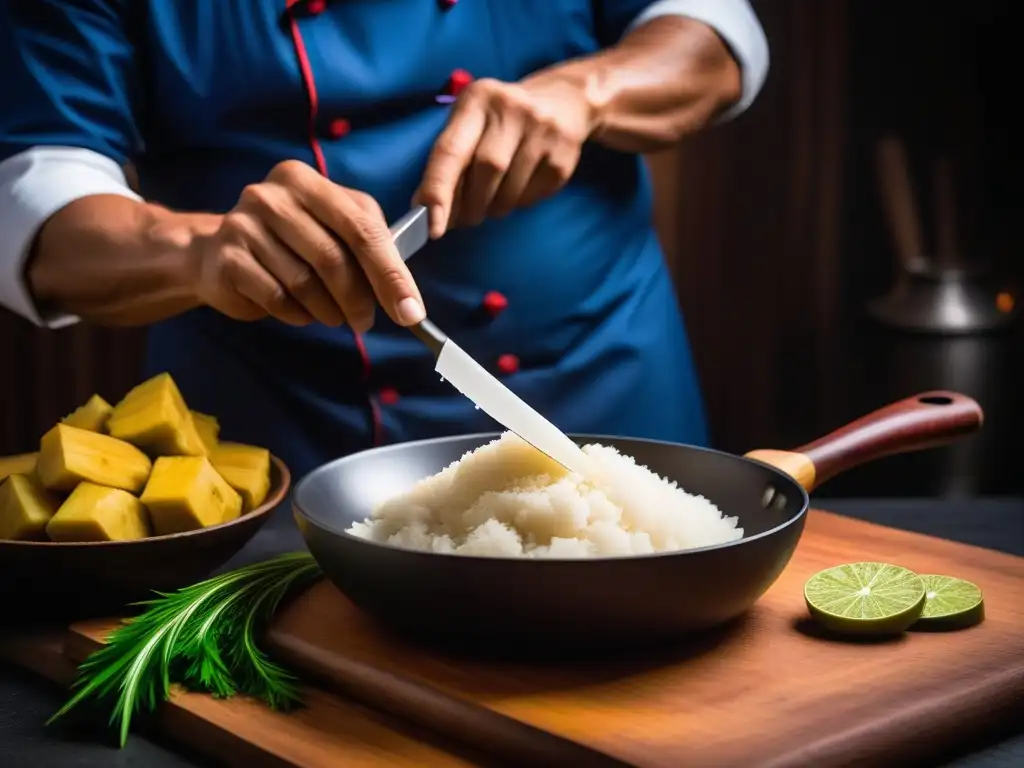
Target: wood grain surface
x,y
329,732
767,691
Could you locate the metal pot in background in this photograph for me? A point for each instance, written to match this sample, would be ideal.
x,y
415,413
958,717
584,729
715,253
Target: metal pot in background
x,y
948,321
883,365
985,366
950,293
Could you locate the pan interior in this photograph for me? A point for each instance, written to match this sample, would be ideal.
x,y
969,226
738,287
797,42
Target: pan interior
x,y
348,490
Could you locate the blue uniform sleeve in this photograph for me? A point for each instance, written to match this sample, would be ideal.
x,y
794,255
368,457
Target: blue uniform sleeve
x,y
69,77
614,17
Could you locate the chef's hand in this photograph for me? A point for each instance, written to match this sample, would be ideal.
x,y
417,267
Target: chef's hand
x,y
300,248
506,145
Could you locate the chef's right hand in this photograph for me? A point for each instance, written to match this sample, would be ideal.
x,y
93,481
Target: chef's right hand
x,y
300,248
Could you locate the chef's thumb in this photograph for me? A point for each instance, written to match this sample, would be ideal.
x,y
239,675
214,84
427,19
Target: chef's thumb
x,y
409,311
391,281
398,294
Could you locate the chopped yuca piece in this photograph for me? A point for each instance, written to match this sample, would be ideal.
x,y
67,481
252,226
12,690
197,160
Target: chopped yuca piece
x,y
25,508
68,456
154,416
208,428
91,416
252,485
19,464
186,492
247,470
97,513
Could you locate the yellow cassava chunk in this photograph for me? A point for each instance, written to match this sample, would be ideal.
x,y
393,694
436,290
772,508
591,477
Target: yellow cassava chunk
x,y
242,455
91,416
252,485
25,508
68,456
154,416
247,470
97,513
19,464
208,428
185,493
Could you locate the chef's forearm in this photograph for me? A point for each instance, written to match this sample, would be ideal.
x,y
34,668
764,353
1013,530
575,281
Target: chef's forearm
x,y
663,80
117,261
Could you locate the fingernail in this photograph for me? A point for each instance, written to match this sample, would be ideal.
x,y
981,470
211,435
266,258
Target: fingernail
x,y
410,311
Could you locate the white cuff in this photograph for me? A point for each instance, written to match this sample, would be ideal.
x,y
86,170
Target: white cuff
x,y
737,24
34,185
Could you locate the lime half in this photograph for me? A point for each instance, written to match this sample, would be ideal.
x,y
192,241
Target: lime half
x,y
865,598
950,603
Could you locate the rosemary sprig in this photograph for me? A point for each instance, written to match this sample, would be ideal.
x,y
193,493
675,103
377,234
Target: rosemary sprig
x,y
203,637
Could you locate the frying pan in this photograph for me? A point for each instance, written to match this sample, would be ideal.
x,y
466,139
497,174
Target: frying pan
x,y
509,605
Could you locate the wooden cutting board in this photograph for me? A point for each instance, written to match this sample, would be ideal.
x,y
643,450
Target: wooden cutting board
x,y
327,733
769,691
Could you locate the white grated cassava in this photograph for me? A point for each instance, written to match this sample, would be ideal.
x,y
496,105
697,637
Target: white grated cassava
x,y
507,499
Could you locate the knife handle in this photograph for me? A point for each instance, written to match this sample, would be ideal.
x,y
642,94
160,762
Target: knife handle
x,y
412,232
430,335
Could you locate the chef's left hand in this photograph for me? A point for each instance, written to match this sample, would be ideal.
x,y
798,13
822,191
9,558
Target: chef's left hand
x,y
506,145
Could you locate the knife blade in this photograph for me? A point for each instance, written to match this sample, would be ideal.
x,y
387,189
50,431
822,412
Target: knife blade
x,y
458,368
411,232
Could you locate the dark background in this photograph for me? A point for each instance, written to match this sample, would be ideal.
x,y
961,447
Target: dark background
x,y
773,229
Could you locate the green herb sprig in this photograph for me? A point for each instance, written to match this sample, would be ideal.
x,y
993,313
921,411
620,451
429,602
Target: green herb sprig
x,y
203,637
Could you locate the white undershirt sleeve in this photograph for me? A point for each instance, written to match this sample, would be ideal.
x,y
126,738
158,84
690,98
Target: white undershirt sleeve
x,y
737,24
34,185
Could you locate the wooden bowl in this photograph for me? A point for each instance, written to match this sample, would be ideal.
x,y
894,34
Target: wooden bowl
x,y
59,581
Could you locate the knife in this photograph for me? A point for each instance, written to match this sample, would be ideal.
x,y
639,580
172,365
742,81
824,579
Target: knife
x,y
411,233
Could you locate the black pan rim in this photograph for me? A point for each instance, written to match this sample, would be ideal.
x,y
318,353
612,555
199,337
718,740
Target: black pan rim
x,y
552,561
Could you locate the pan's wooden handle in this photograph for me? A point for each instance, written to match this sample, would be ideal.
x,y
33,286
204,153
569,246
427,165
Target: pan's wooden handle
x,y
922,421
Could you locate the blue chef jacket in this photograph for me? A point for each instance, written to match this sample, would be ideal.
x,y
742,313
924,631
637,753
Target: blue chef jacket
x,y
568,301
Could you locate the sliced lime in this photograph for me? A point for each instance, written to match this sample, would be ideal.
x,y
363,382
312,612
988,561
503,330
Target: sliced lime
x,y
865,598
950,603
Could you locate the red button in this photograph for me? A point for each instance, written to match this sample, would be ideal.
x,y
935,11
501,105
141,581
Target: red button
x,y
339,127
448,4
316,7
458,81
495,303
388,396
508,364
